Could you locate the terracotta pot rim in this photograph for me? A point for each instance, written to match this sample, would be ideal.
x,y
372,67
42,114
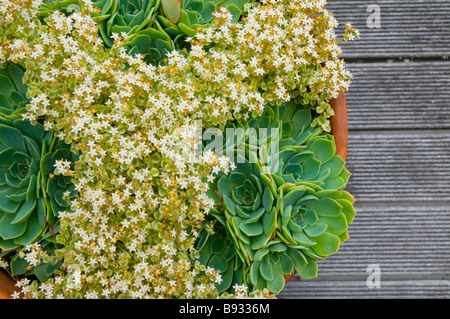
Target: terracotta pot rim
x,y
339,125
339,130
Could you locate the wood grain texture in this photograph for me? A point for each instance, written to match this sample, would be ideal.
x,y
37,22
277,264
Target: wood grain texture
x,y
408,244
399,166
344,289
405,241
413,28
399,96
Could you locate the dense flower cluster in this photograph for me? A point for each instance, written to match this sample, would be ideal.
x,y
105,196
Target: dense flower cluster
x,y
141,182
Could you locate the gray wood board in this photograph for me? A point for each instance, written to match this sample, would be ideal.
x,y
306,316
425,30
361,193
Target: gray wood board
x,y
414,28
406,242
399,95
399,166
409,245
393,289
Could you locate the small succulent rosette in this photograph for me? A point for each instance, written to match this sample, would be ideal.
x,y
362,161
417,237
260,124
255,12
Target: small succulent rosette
x,y
283,206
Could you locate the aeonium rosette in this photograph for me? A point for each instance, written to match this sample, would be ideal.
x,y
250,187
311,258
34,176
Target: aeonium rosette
x,y
283,205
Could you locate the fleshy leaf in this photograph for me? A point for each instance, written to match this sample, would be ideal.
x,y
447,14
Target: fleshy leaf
x,y
172,9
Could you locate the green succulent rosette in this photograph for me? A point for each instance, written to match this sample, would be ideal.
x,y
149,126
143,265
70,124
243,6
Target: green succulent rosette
x,y
283,205
144,35
157,27
31,196
170,22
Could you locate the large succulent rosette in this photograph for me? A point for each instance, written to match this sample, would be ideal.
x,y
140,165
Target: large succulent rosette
x,y
283,205
31,194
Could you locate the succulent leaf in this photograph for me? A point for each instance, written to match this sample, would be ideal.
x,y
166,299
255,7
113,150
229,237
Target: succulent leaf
x,y
172,9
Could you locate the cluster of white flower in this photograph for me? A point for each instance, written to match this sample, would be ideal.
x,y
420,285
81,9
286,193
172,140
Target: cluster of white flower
x,y
141,180
62,167
33,254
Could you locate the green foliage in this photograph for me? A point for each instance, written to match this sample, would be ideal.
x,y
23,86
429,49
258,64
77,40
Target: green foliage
x,y
13,93
152,27
218,251
104,8
45,268
283,205
31,195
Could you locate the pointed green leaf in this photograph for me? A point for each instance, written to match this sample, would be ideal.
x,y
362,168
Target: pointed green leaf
x,y
323,149
326,207
8,230
18,265
25,210
260,253
267,199
269,221
6,204
287,265
171,9
307,270
302,239
286,216
227,278
260,241
12,137
230,206
266,269
255,216
315,230
335,225
252,229
33,231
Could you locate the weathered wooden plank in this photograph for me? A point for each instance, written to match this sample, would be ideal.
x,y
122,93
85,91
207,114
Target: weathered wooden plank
x,y
399,95
404,241
399,166
412,28
390,289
